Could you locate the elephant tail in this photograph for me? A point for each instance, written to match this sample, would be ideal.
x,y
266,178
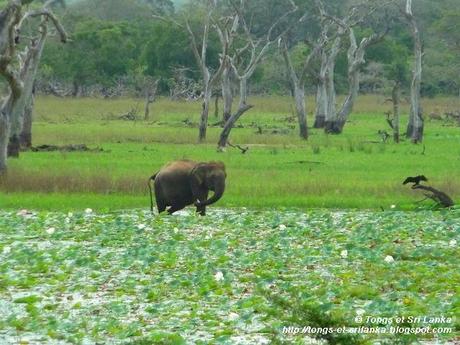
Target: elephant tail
x,y
151,178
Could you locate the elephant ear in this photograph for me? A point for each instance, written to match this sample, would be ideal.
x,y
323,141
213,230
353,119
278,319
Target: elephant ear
x,y
198,174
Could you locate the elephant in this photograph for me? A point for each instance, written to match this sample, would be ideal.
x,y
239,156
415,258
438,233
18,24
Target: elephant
x,y
185,182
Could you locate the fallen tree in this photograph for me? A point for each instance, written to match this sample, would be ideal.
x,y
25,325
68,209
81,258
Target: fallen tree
x,y
441,198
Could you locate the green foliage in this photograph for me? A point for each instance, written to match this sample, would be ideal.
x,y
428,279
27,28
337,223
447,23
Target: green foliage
x,y
167,47
278,170
239,275
112,39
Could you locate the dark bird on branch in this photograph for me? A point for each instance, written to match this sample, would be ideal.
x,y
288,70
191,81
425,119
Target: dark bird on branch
x,y
415,180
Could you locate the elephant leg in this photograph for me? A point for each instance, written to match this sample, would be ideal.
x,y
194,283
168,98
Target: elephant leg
x,y
175,208
202,198
161,202
161,207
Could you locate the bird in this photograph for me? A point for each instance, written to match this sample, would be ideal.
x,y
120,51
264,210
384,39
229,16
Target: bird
x,y
415,180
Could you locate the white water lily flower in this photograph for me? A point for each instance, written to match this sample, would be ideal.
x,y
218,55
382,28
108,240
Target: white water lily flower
x,y
6,250
141,226
25,213
22,212
360,312
50,231
219,276
282,227
453,243
389,259
233,316
88,211
344,253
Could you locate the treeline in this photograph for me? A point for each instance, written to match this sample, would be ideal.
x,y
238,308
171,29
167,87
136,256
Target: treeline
x,y
115,44
229,48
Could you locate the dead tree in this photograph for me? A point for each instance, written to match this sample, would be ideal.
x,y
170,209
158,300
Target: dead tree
x,y
441,198
200,53
416,124
254,50
326,95
226,28
321,92
27,76
25,139
355,61
227,95
20,69
298,79
10,17
209,78
150,87
395,97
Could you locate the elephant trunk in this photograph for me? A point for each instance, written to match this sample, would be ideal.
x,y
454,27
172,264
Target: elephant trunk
x,y
219,189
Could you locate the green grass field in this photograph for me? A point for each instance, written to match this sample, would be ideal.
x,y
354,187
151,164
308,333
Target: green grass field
x,y
267,256
353,170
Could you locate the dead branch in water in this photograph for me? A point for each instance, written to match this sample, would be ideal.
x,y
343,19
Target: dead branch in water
x,y
242,149
441,198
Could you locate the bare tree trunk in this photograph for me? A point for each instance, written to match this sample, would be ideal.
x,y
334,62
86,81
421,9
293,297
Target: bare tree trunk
x,y
32,60
243,92
216,104
395,98
19,70
148,101
205,112
355,61
223,140
25,139
5,122
331,114
321,97
416,123
227,96
76,89
257,52
150,86
299,95
4,138
242,108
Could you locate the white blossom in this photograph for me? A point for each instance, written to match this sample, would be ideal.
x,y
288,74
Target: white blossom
x,y
88,211
282,227
360,312
389,259
233,316
50,231
344,253
219,276
453,243
23,212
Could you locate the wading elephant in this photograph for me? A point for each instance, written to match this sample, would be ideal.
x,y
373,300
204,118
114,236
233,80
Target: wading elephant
x,y
185,182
